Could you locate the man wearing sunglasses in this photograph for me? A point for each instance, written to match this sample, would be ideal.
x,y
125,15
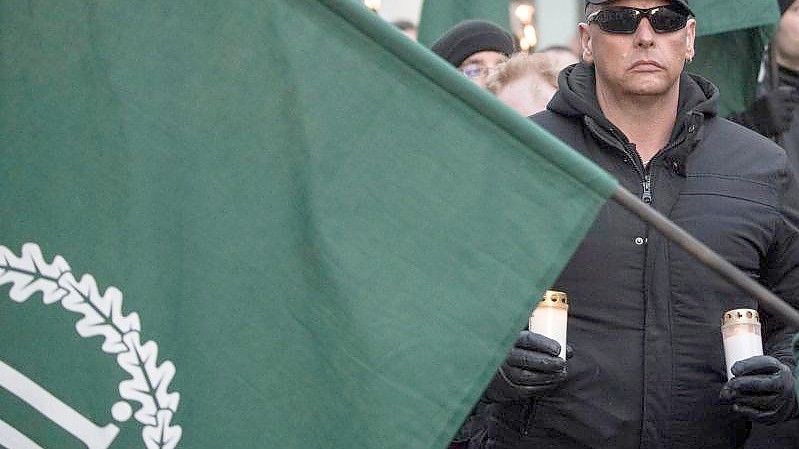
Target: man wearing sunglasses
x,y
648,367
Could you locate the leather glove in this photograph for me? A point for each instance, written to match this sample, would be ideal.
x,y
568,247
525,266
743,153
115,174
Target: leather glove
x,y
771,114
762,390
532,368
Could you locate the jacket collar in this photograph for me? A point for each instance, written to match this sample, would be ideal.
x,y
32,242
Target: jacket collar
x,y
698,102
788,77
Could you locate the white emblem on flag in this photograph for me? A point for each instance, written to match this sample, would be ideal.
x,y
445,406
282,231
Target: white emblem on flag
x,y
102,315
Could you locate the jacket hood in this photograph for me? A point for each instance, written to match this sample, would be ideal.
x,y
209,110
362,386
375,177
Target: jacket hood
x,y
576,96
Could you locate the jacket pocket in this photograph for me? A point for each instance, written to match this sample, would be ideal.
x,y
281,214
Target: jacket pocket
x,y
733,216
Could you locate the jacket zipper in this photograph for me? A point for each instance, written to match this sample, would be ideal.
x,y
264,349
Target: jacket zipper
x,y
646,196
646,182
643,173
638,163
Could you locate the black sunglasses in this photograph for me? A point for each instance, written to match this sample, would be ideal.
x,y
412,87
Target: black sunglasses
x,y
625,20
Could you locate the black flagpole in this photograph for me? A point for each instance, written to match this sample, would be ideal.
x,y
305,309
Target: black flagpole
x,y
710,258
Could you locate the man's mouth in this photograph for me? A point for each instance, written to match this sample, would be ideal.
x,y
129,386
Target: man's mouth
x,y
646,65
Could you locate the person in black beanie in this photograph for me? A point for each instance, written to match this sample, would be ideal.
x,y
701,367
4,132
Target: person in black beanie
x,y
475,47
773,112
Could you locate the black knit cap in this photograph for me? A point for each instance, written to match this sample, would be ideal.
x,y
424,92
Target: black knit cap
x,y
683,3
470,37
785,4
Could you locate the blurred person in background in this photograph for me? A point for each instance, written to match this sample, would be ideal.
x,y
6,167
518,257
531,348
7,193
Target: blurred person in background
x,y
562,55
475,48
773,113
526,82
407,27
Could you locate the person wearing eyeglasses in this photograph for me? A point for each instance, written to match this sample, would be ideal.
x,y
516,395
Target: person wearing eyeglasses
x,y
475,48
648,367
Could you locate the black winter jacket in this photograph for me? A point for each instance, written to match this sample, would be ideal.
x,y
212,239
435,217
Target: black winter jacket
x,y
644,319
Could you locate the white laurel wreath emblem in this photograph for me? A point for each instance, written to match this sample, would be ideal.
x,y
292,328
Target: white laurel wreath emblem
x,y
29,274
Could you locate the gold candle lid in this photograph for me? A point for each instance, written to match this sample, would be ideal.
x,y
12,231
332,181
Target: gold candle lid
x,y
740,316
554,298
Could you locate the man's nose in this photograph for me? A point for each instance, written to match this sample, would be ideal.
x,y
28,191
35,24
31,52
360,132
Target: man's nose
x,y
645,34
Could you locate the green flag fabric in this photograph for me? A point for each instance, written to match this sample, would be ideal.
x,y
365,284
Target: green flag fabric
x,y
260,224
732,36
438,16
721,16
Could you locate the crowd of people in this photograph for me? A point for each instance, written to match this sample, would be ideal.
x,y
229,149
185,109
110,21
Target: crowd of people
x,y
645,365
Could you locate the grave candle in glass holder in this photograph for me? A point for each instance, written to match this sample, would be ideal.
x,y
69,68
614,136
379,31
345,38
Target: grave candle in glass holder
x,y
740,329
550,317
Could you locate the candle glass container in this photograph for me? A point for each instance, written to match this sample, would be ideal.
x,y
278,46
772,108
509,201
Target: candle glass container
x,y
740,329
550,318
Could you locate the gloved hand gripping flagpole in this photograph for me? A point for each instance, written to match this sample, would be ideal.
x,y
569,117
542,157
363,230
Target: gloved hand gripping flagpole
x,y
707,256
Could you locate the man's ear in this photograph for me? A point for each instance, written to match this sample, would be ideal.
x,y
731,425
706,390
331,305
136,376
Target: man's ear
x,y
587,53
690,39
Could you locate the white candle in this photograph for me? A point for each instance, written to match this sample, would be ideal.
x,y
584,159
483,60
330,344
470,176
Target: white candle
x,y
550,318
740,329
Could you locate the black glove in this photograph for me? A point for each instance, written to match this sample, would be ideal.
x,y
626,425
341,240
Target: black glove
x,y
532,368
762,390
771,114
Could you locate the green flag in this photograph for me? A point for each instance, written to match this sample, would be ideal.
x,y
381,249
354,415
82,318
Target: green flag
x,y
438,16
721,16
732,36
260,224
